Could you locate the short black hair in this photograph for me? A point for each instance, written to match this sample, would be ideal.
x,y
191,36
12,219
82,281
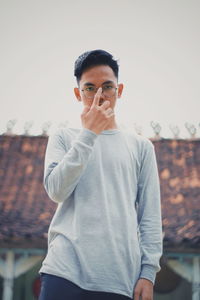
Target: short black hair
x,y
94,58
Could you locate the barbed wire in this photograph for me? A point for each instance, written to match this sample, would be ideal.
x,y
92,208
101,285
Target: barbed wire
x,y
156,127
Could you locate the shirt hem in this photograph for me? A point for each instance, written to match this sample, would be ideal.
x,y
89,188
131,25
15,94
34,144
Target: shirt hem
x,y
87,285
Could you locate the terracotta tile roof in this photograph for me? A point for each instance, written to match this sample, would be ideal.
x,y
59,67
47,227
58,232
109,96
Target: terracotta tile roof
x,y
26,210
179,171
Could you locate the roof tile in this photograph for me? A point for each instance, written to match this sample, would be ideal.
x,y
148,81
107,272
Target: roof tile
x,y
26,210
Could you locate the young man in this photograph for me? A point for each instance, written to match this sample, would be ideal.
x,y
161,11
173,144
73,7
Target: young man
x,y
105,239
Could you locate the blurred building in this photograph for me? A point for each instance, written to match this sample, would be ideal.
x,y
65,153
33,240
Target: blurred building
x,y
26,212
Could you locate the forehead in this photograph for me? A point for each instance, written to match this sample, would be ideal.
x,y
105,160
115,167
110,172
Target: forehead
x,y
97,75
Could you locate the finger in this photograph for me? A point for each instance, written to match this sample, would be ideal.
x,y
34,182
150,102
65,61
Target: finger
x,y
105,105
86,109
109,110
96,97
136,296
109,113
137,293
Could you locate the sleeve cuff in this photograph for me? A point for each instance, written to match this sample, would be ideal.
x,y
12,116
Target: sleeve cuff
x,y
87,136
148,272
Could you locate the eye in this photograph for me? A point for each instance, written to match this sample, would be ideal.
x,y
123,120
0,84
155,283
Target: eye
x,y
107,87
90,88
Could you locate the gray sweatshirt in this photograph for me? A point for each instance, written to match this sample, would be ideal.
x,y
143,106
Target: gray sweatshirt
x,y
106,232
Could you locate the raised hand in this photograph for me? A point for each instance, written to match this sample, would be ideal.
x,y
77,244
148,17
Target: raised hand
x,y
97,117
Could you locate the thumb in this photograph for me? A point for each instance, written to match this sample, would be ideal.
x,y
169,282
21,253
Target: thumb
x,y
86,109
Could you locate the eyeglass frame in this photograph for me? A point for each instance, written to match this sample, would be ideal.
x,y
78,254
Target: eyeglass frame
x,y
102,92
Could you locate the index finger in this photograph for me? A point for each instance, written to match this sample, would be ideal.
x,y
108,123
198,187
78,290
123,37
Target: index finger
x,y
97,97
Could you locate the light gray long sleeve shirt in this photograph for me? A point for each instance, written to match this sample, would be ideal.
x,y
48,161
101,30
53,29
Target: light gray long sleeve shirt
x,y
106,232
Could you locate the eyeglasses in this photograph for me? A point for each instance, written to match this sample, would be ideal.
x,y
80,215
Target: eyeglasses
x,y
108,91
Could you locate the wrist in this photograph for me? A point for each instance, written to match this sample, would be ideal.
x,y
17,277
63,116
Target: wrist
x,y
92,130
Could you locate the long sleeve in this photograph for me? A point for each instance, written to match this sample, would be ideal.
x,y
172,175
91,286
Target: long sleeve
x,y
149,214
63,167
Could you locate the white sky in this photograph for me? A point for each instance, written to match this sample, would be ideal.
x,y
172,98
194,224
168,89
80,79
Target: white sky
x,y
157,44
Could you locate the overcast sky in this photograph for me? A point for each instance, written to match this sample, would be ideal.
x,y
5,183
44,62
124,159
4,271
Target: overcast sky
x,y
157,44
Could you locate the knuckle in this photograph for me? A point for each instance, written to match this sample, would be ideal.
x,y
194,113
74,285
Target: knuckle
x,y
93,108
106,103
101,111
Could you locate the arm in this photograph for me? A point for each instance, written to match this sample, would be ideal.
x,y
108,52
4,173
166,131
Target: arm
x,y
149,214
63,170
64,167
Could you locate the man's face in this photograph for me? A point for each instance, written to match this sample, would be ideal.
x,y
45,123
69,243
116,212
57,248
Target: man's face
x,y
95,77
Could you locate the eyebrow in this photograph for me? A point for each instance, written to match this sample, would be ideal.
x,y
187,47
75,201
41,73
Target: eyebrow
x,y
105,82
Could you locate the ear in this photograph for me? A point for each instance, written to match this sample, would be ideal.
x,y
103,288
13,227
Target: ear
x,y
77,93
120,89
